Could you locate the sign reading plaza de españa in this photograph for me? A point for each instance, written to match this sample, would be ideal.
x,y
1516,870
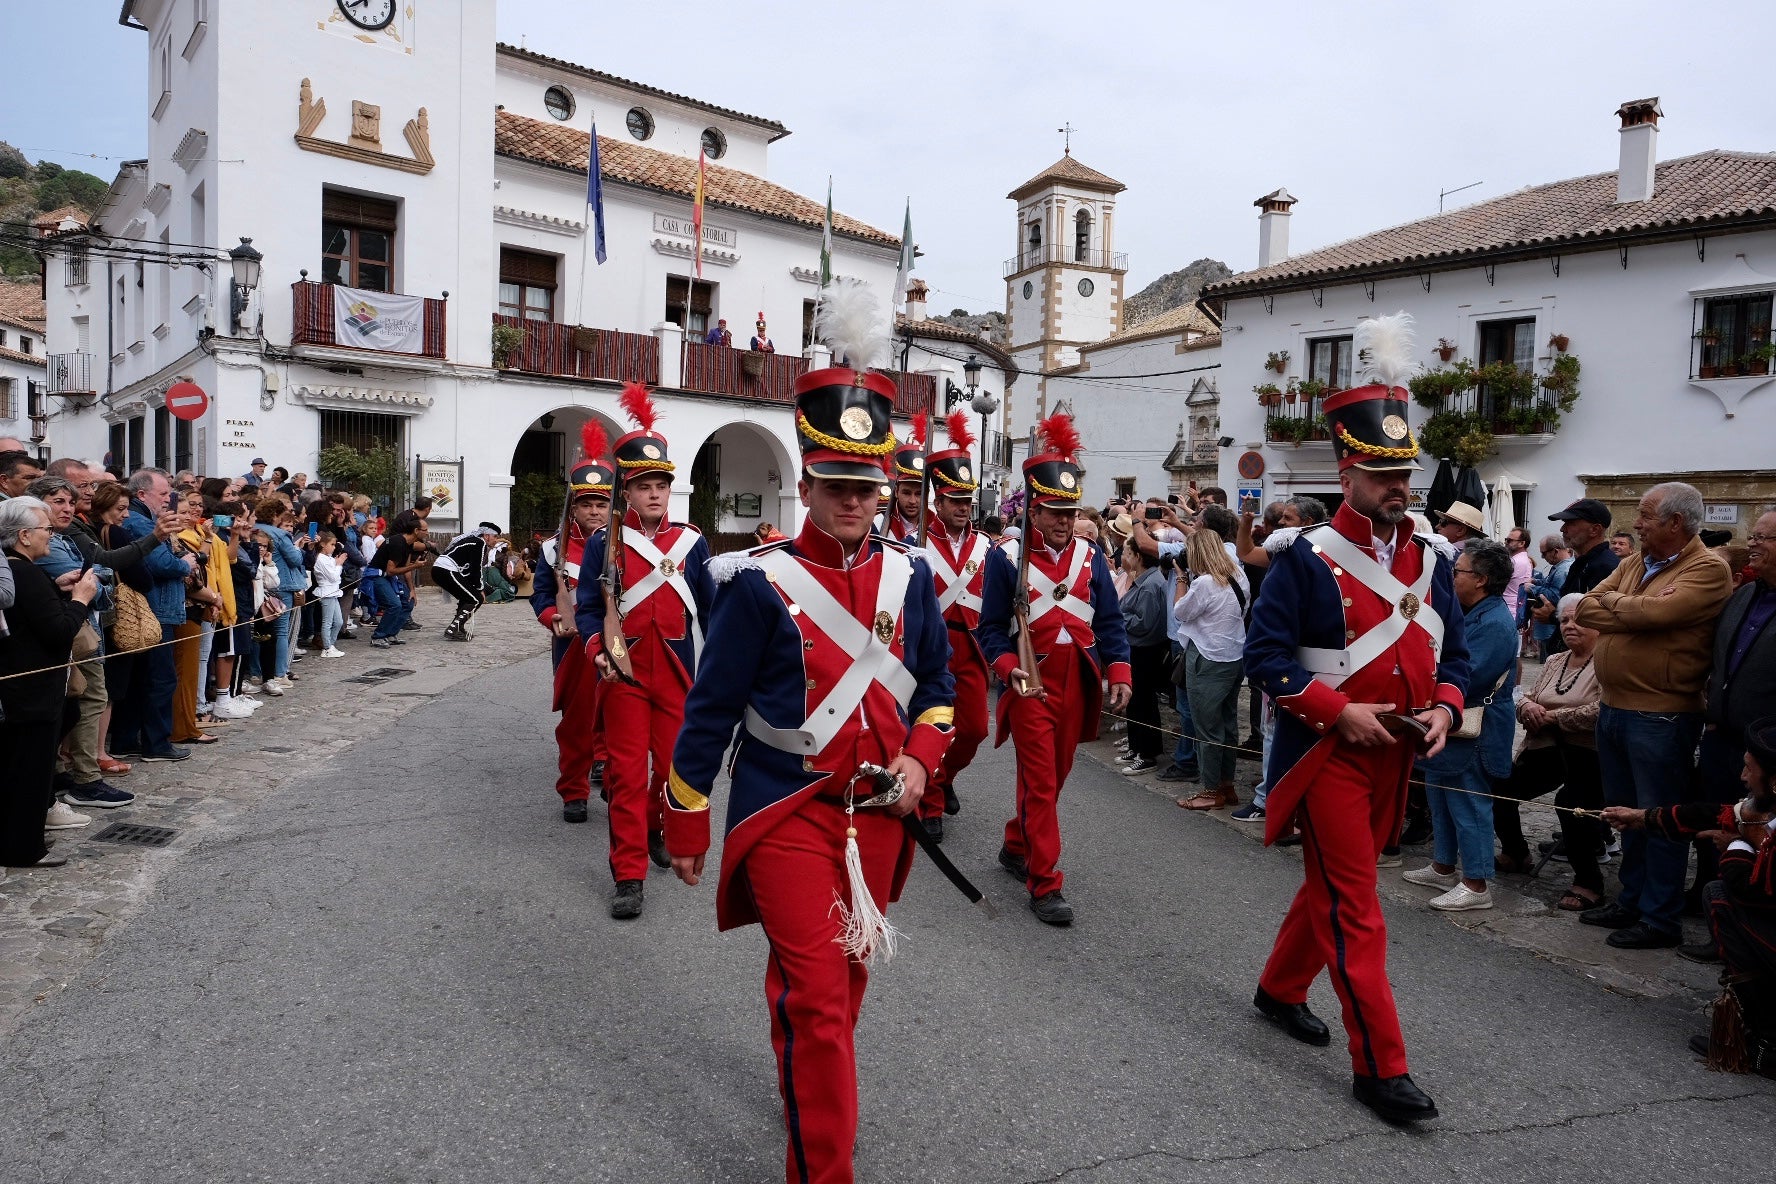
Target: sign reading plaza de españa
x,y
441,480
379,320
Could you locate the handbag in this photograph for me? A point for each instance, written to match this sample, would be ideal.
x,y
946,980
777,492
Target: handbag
x,y
1474,717
134,627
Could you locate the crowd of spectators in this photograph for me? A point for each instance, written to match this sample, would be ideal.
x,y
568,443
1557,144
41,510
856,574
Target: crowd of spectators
x,y
141,617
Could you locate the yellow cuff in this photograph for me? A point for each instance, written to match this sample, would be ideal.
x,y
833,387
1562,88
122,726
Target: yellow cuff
x,y
943,717
683,796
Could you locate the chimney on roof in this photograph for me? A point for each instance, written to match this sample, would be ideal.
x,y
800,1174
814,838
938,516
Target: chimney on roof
x,y
1640,142
915,300
1273,227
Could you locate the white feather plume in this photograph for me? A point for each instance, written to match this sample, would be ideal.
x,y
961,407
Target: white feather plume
x,y
850,322
1384,346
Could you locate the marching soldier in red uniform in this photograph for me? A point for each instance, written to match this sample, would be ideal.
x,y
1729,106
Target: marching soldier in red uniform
x,y
579,740
663,575
957,556
830,650
901,520
1077,641
1358,639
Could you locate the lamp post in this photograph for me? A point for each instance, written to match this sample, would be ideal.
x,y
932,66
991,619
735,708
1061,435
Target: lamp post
x,y
245,261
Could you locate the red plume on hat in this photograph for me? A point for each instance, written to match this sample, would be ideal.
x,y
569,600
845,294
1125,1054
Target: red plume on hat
x,y
956,426
638,405
1061,436
594,444
919,425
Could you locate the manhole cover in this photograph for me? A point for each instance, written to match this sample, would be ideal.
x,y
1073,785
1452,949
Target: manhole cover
x,y
277,748
380,674
134,834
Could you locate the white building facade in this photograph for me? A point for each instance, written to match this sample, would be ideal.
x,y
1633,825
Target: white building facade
x,y
443,180
1656,279
22,361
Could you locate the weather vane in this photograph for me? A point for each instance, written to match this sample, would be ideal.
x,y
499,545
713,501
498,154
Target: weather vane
x,y
1067,130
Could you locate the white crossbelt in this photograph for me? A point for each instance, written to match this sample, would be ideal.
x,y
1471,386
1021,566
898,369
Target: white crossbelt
x,y
645,587
872,659
1331,666
1043,600
955,583
573,569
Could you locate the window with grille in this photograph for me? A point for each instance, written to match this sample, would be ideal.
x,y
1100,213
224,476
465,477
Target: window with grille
x,y
77,267
8,408
358,240
163,439
1733,330
1329,361
362,431
1510,341
689,303
527,284
1082,236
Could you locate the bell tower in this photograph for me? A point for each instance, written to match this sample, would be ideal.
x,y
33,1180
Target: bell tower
x,y
1063,284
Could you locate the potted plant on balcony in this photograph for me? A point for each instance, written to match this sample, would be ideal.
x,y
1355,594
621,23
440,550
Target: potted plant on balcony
x,y
1269,394
1559,342
1562,381
1278,361
1322,430
1758,360
1310,389
507,341
1445,349
1291,392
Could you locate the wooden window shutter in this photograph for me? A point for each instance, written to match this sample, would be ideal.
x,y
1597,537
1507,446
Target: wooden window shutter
x,y
526,267
678,291
375,213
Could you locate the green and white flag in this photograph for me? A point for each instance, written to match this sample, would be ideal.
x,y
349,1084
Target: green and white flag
x,y
904,274
826,241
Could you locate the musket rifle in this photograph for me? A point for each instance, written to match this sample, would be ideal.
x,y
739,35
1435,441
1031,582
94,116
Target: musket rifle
x,y
616,650
564,599
1030,686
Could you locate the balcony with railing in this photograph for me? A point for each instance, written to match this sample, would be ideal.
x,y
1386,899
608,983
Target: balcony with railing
x,y
70,375
1091,257
771,378
313,322
573,351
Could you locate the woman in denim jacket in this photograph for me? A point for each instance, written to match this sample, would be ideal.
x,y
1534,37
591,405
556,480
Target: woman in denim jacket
x,y
1457,778
275,519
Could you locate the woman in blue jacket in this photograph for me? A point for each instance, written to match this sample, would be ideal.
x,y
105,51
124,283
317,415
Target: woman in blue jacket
x,y
1457,778
275,520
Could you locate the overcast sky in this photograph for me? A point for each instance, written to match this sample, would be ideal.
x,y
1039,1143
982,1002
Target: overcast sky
x,y
1363,111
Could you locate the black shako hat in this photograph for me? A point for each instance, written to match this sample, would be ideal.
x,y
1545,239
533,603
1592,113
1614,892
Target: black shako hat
x,y
843,424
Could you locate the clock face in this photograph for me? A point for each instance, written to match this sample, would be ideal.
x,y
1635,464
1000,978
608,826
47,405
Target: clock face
x,y
1028,289
1086,287
368,14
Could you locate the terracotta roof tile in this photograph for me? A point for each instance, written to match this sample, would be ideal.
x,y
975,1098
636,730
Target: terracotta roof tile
x,y
13,355
943,331
1186,317
1709,188
561,146
21,305
1072,172
50,220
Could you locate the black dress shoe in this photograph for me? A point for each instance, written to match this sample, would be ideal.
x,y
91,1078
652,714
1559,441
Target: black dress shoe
x,y
1014,864
657,848
1052,909
933,828
1704,952
626,900
1641,936
573,811
597,775
952,804
1613,915
1699,1046
1293,1018
1394,1098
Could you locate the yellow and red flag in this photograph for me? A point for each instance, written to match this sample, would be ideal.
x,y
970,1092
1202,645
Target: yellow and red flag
x,y
697,213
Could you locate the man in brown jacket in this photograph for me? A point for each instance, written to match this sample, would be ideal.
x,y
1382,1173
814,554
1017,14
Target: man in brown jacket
x,y
1656,613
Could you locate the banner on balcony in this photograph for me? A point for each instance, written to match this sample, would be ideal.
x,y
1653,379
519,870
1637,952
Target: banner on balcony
x,y
378,320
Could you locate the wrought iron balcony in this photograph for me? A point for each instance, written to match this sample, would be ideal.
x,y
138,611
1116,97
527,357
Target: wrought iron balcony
x,y
313,320
1037,256
70,375
573,351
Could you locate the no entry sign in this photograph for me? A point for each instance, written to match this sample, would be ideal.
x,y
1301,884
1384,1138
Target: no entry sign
x,y
186,400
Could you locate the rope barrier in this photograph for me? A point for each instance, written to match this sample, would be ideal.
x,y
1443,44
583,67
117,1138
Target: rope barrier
x,y
1575,811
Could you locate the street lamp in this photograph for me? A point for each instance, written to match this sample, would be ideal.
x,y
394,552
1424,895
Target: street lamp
x,y
246,263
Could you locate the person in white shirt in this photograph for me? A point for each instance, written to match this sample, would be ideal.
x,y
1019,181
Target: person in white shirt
x,y
329,563
1209,607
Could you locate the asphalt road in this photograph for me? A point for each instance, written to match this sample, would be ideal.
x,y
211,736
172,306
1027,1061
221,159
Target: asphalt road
x,y
403,971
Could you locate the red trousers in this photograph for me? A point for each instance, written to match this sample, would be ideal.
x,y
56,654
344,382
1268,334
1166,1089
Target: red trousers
x,y
640,725
1349,812
813,990
1046,732
970,670
579,737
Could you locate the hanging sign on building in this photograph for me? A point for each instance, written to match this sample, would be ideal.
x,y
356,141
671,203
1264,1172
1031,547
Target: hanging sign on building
x,y
714,236
378,320
441,480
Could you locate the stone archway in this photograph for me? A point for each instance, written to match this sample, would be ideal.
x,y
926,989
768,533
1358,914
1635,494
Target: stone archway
x,y
742,476
546,447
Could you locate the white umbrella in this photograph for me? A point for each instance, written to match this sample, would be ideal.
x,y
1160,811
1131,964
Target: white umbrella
x,y
1502,518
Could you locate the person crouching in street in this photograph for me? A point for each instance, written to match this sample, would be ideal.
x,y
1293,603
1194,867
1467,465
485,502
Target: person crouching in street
x,y
458,570
1077,637
794,624
1358,639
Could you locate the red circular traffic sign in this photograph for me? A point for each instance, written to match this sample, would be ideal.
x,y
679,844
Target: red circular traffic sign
x,y
186,400
1251,465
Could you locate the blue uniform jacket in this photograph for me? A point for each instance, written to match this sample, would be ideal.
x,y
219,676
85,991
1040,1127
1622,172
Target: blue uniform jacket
x,y
542,598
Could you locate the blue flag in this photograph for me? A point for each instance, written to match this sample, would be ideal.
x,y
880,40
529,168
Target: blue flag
x,y
595,195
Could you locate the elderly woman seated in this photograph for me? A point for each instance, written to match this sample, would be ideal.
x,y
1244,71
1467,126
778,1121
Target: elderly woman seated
x,y
1741,904
1559,752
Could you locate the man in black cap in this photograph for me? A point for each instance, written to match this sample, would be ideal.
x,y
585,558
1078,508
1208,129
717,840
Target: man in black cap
x,y
1584,526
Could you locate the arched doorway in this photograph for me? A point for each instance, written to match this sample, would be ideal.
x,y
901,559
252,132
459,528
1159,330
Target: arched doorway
x,y
743,476
539,468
